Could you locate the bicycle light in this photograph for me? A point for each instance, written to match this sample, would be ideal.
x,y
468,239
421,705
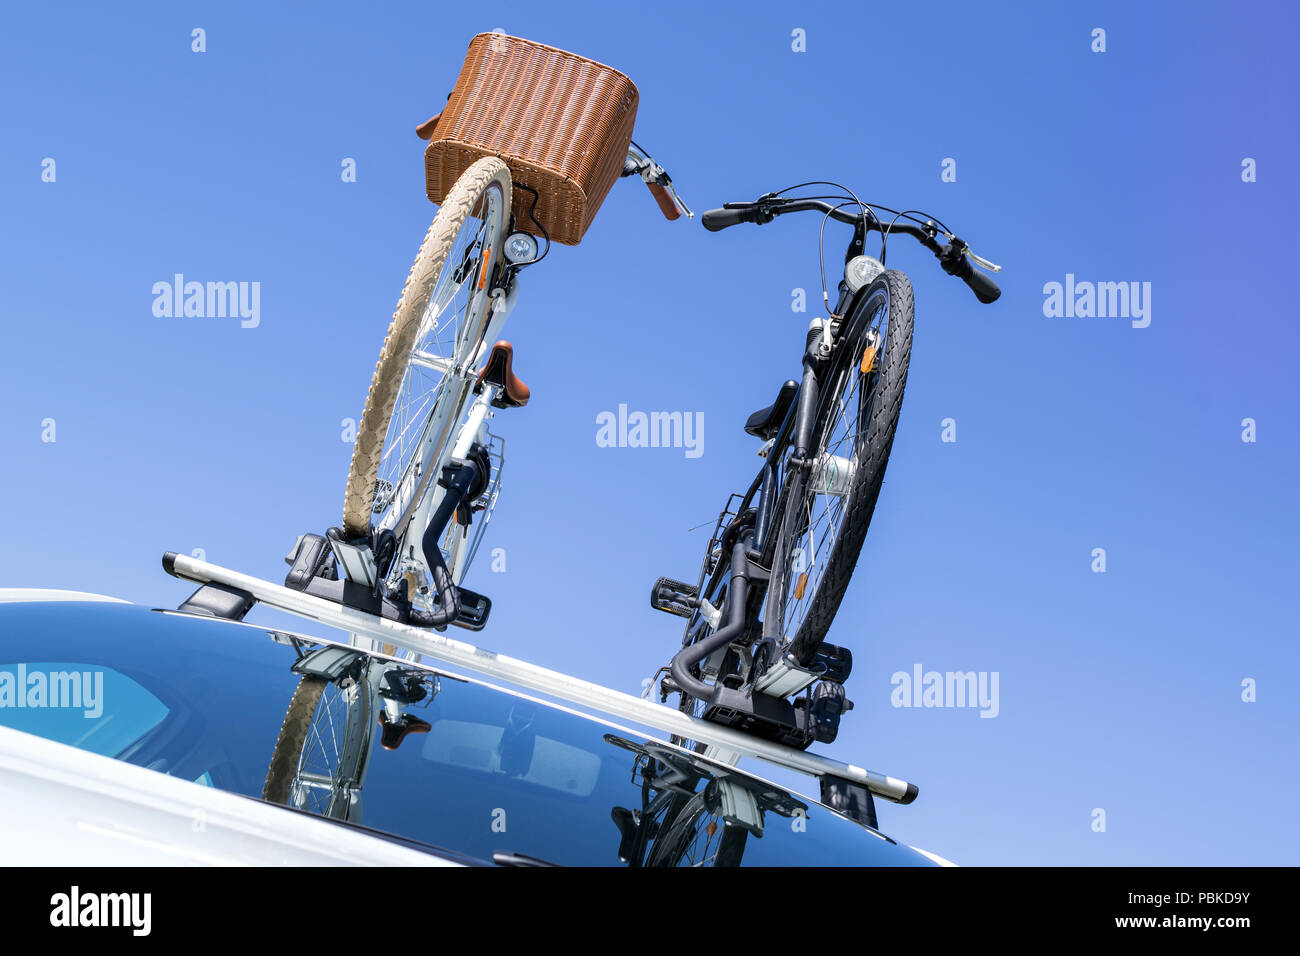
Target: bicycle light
x,y
861,271
520,247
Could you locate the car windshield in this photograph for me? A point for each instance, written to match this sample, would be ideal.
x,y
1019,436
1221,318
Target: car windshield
x,y
395,746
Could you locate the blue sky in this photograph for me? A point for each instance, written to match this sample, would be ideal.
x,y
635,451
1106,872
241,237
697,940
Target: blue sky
x,y
1119,691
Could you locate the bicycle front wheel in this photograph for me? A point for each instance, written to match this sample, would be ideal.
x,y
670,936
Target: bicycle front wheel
x,y
322,746
698,836
827,509
426,369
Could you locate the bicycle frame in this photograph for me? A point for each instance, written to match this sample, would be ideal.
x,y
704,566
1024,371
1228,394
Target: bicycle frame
x,y
749,568
435,452
795,430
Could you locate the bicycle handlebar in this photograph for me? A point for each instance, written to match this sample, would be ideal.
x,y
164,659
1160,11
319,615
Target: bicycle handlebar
x,y
639,163
954,262
952,257
715,220
665,201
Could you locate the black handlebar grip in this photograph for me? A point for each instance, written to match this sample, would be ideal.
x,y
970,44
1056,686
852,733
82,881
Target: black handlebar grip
x,y
716,220
954,262
985,289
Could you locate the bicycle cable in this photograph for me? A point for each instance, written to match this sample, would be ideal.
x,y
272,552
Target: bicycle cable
x,y
910,214
532,210
821,257
867,209
850,199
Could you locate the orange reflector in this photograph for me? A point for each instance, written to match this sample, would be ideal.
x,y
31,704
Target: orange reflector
x,y
711,828
801,586
868,359
482,275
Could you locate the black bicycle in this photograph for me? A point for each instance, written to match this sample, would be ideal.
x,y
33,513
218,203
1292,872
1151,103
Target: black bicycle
x,y
780,557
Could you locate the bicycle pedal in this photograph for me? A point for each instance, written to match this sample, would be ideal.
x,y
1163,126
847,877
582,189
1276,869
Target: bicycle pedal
x,y
673,597
834,663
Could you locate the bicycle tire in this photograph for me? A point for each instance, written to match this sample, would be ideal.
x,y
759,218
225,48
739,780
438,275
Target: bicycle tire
x,y
367,452
291,745
872,457
287,754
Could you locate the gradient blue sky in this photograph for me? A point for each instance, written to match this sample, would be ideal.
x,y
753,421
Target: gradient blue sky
x,y
1120,691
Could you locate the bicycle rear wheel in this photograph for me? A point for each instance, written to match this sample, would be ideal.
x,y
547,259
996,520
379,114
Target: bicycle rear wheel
x,y
426,368
826,511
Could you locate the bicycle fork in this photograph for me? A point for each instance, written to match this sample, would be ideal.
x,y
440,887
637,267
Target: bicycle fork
x,y
816,350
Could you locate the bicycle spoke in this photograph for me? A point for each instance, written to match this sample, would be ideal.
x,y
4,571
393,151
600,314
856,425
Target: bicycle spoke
x,y
689,853
843,436
437,355
318,776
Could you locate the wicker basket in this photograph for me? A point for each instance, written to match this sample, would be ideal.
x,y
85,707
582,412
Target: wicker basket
x,y
562,124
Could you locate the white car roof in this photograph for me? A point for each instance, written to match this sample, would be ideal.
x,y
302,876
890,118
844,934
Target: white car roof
x,y
15,595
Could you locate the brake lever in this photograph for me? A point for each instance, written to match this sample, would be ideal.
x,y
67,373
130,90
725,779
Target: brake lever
x,y
762,206
982,262
957,248
668,184
641,163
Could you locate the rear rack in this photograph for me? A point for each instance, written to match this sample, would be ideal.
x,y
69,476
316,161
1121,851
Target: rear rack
x,y
833,775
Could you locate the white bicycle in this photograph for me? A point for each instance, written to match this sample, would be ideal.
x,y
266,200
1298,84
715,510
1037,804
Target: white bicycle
x,y
424,479
426,468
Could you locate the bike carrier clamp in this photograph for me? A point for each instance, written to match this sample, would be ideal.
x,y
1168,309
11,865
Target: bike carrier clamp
x,y
315,559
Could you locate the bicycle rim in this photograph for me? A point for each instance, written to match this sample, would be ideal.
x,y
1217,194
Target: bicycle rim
x,y
439,371
813,517
333,751
699,837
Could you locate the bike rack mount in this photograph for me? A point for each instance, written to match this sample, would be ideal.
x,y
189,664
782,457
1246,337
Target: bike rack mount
x,y
540,679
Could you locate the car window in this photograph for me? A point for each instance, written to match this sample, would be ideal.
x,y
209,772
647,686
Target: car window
x,y
151,695
395,746
549,763
90,707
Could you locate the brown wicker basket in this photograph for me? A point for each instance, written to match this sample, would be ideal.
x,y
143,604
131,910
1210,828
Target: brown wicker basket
x,y
562,123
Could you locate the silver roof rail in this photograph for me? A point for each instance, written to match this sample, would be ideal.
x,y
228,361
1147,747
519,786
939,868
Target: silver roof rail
x,y
552,683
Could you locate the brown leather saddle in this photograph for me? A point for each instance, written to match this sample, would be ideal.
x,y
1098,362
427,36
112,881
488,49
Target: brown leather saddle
x,y
498,370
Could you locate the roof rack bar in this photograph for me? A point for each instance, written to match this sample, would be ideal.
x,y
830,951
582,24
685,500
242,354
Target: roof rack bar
x,y
541,679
